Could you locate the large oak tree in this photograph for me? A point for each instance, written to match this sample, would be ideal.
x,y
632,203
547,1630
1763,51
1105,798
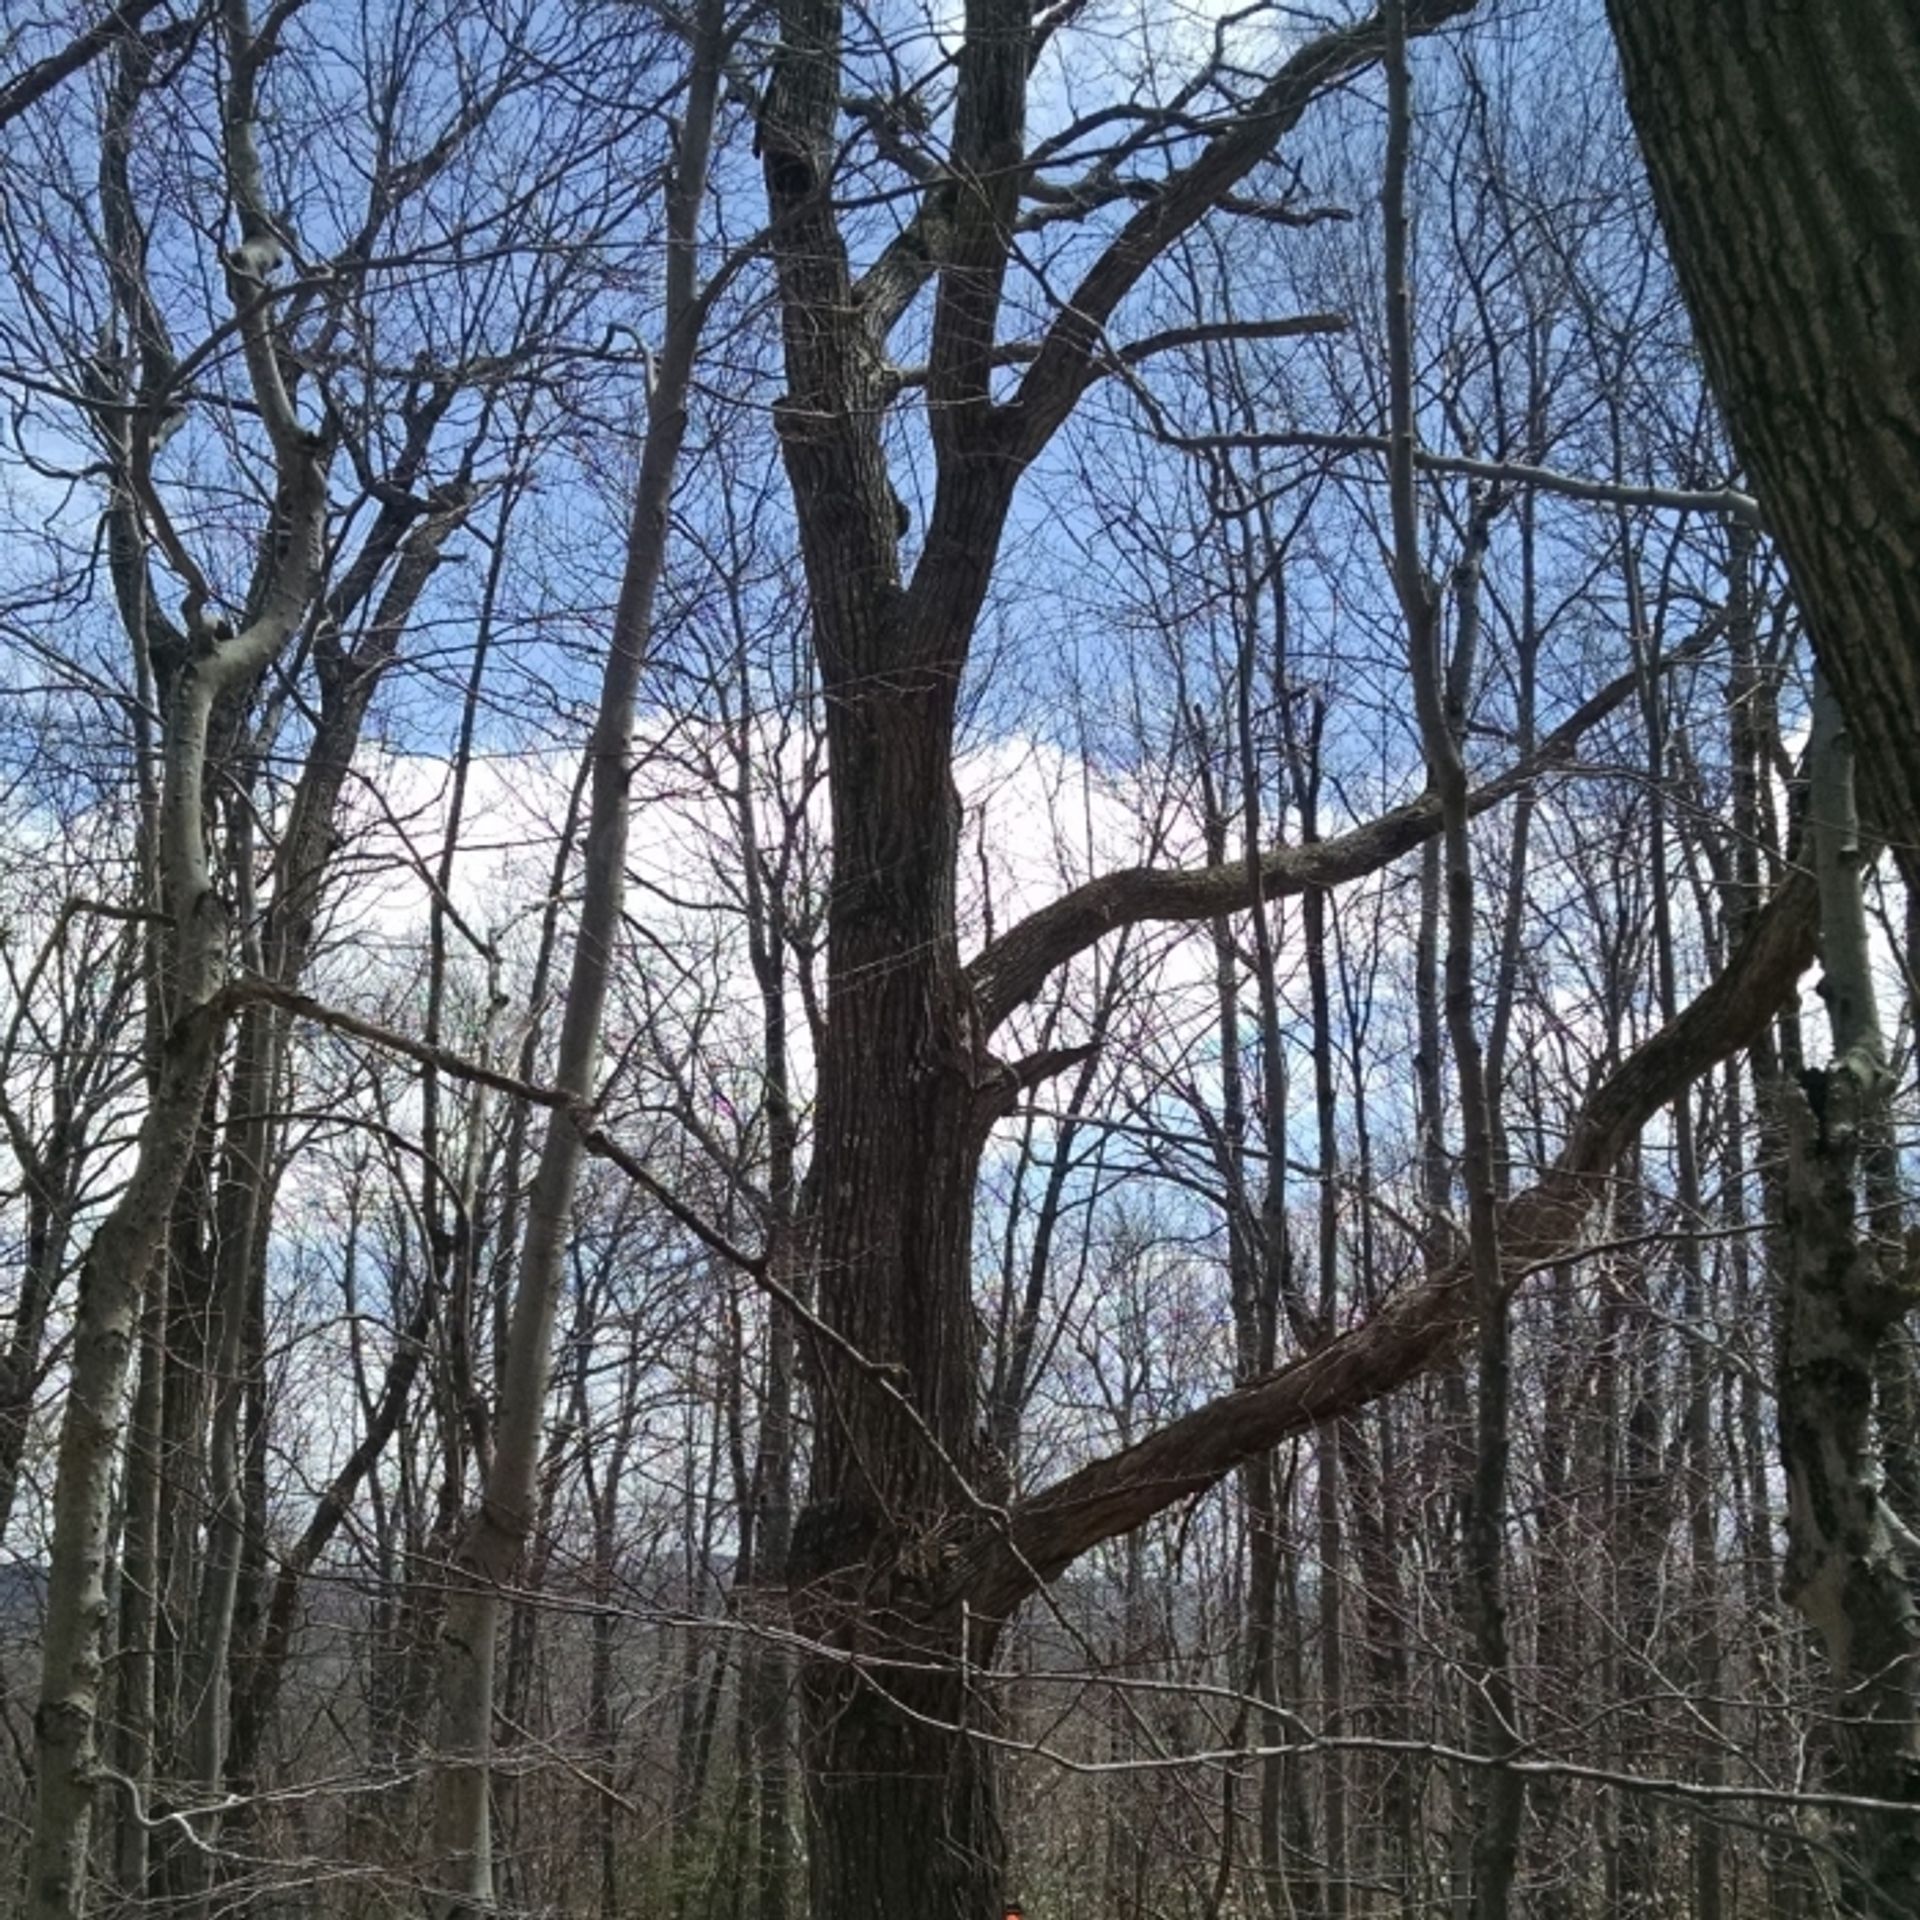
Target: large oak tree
x,y
902,1572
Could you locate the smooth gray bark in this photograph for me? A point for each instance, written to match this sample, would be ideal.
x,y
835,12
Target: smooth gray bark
x,y
113,1276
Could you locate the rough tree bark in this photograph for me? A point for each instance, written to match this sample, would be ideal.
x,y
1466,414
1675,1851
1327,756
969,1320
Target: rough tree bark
x,y
1780,144
900,1799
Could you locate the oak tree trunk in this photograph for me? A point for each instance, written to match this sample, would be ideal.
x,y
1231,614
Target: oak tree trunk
x,y
1780,142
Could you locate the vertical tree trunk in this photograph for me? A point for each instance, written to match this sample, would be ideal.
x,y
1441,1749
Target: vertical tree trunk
x,y
499,1528
140,1560
1440,694
1330,1474
186,1270
900,1801
212,666
241,1206
604,1484
1701,1658
113,1276
766,1681
1259,1263
1847,1287
49,1176
1752,733
1779,141
1637,1530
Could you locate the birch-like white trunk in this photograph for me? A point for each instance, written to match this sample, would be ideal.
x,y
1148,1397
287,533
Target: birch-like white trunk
x,y
113,1275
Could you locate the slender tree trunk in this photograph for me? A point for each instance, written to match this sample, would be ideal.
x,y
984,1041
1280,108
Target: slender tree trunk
x,y
1256,1253
499,1528
604,1487
1330,1475
240,1208
1847,1287
1557,1572
1637,1528
185,1269
1703,1650
113,1276
139,1612
47,1176
767,1672
519,1685
1440,695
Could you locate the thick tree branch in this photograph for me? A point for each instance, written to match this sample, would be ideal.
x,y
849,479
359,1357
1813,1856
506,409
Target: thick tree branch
x,y
989,139
1013,968
19,93
1072,354
1419,1330
1020,353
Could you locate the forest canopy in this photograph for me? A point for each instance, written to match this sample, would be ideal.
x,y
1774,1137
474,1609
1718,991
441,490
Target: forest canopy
x,y
959,961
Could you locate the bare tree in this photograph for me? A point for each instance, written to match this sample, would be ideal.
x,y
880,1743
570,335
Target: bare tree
x,y
1109,1204
500,1526
208,660
1847,1288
